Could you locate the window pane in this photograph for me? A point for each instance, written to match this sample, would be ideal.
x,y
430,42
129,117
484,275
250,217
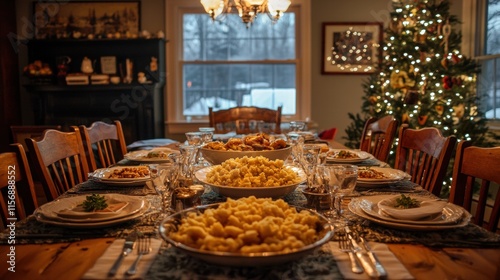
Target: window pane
x,y
489,88
230,39
493,27
227,85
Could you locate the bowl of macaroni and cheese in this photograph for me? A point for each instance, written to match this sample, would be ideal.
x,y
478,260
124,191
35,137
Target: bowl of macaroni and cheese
x,y
247,232
247,176
217,152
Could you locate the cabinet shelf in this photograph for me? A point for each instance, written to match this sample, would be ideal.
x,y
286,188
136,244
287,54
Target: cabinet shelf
x,y
140,107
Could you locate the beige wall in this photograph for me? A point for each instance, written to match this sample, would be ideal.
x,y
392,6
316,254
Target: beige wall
x,y
333,96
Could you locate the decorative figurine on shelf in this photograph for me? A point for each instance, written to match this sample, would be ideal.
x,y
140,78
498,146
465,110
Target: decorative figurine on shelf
x,y
129,71
62,67
141,77
87,66
153,65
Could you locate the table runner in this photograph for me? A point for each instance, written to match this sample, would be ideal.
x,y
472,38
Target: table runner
x,y
32,231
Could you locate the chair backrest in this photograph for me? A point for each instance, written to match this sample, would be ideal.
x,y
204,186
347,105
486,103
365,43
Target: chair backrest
x,y
244,119
104,144
378,136
424,154
21,132
59,159
16,178
477,167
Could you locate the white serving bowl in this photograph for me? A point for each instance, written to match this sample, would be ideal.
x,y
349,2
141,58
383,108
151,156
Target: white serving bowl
x,y
216,157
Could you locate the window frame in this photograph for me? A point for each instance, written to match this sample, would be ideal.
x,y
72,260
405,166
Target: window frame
x,y
474,37
174,10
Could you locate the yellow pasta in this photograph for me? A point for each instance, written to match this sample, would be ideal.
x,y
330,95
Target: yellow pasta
x,y
252,172
249,225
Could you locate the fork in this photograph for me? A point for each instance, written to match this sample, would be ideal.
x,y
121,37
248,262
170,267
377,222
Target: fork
x,y
346,246
143,248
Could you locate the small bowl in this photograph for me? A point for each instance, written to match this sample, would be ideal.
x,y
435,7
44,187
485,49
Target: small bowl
x,y
216,157
317,201
115,80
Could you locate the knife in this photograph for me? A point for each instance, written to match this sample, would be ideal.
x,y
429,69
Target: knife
x,y
381,272
365,262
127,249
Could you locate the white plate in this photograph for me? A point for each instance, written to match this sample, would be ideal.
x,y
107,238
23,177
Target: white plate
x,y
55,210
102,176
354,206
362,156
450,214
325,230
391,176
259,192
144,209
142,155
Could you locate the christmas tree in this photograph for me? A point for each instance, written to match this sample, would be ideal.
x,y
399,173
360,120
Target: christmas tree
x,y
423,79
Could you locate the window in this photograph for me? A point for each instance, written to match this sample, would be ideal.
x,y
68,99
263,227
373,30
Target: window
x,y
224,64
488,20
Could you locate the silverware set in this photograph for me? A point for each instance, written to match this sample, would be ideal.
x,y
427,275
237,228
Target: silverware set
x,y
143,247
362,258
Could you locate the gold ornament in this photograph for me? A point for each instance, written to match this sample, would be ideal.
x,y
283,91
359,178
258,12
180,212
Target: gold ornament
x,y
405,118
459,110
444,63
439,109
401,80
422,120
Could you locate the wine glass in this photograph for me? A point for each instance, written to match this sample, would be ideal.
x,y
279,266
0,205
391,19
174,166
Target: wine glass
x,y
309,161
295,140
346,176
296,126
164,177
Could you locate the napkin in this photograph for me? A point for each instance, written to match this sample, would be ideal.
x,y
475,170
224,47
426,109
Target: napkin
x,y
395,269
105,262
427,208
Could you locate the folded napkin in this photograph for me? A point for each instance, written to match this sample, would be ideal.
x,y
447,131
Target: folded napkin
x,y
105,262
427,208
395,269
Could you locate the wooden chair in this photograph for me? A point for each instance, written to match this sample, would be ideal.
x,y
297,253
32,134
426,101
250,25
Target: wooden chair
x,y
21,132
477,167
59,159
378,136
15,174
425,155
244,119
104,144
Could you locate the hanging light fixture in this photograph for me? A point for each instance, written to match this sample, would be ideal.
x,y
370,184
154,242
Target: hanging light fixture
x,y
246,9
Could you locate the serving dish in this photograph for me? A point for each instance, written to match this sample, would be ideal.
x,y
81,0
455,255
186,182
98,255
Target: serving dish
x,y
361,156
218,156
102,175
391,176
259,192
171,223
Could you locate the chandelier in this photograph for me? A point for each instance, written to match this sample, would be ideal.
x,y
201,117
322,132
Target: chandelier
x,y
247,9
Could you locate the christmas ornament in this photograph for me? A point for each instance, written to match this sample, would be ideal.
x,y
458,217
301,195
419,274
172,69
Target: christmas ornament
x,y
372,99
400,79
422,120
439,109
405,118
444,63
446,35
447,82
459,110
411,97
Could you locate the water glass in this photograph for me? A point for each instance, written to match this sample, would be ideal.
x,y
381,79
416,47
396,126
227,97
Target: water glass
x,y
309,160
164,177
296,126
346,176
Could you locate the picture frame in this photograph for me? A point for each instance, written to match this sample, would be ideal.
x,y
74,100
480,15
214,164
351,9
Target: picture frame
x,y
108,65
351,47
86,19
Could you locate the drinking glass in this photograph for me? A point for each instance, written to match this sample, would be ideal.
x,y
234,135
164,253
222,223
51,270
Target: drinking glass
x,y
164,177
346,176
186,162
196,138
295,140
309,160
296,126
207,134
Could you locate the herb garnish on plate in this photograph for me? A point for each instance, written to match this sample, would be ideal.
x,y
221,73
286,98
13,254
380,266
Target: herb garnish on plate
x,y
406,202
94,202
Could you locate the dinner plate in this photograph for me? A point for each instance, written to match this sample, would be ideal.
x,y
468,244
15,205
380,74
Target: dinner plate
x,y
63,209
324,229
102,175
355,207
362,156
391,176
259,192
142,155
41,218
450,213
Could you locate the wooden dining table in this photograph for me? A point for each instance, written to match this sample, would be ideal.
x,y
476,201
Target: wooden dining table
x,y
60,259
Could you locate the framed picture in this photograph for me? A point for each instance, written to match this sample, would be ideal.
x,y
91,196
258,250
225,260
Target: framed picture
x,y
86,20
108,64
351,47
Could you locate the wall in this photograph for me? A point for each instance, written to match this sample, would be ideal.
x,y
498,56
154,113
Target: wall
x,y
333,96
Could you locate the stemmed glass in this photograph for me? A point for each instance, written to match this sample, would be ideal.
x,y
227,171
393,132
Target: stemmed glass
x,y
309,161
296,126
196,138
296,141
207,134
343,181
164,177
